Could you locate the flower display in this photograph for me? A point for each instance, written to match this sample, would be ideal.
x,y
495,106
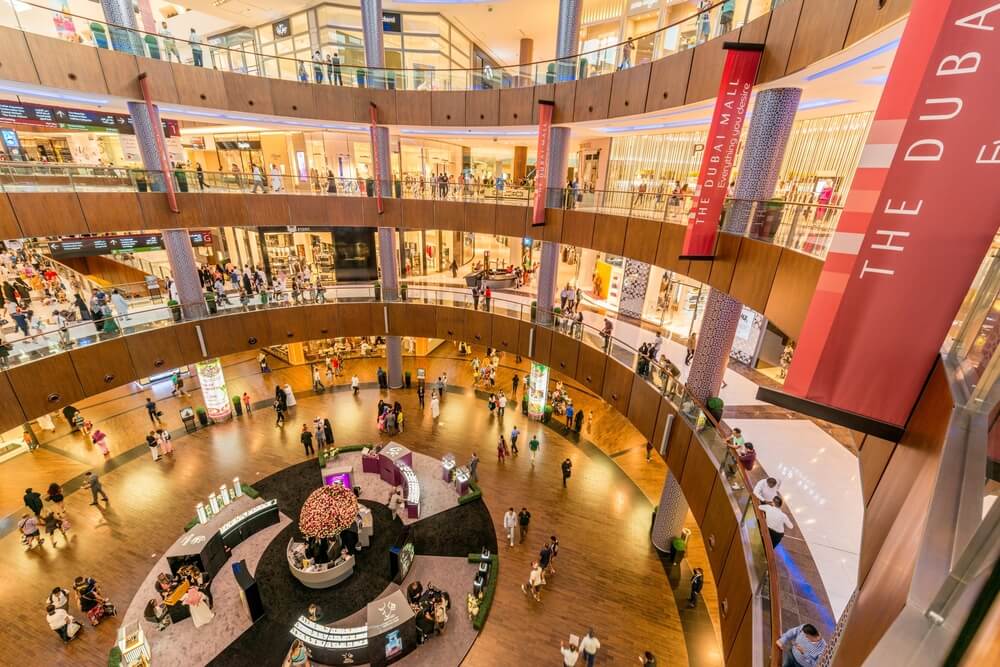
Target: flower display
x,y
328,511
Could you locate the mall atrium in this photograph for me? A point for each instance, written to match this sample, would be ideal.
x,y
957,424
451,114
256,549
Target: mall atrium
x,y
497,332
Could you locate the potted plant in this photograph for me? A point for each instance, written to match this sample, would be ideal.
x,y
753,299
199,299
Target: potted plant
x,y
547,414
175,309
524,404
237,406
210,302
715,407
202,416
115,657
402,291
406,379
378,290
534,310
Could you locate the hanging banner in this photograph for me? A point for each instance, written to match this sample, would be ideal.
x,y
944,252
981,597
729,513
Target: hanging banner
x,y
542,160
723,140
920,217
376,159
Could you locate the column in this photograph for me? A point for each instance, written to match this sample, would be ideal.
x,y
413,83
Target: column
x,y
548,266
371,25
568,38
526,55
634,283
519,167
184,271
767,136
121,17
670,514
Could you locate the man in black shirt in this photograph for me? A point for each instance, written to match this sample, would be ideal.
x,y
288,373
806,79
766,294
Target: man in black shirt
x,y
567,470
307,440
523,519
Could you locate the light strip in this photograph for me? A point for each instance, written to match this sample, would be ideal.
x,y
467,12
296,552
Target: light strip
x,y
851,62
469,133
17,90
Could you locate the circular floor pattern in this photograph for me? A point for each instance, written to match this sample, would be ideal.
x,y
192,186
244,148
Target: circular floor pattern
x,y
455,532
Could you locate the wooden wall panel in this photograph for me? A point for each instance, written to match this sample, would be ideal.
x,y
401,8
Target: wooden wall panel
x,y
870,17
525,338
873,456
478,327
352,211
111,211
53,214
642,407
780,34
421,320
413,107
479,218
449,215
61,64
734,594
551,231
609,233
333,102
325,321
451,323
700,270
641,239
391,215
121,73
12,415
482,107
288,325
617,385
593,98
418,214
666,411
46,385
755,32
578,228
398,322
697,479
199,86
792,290
668,81
15,59
309,211
727,250
156,211
292,98
590,368
9,227
187,342
361,319
160,76
155,351
226,335
821,31
225,209
448,108
505,334
543,346
741,650
628,90
512,220
668,249
706,68
565,353
562,94
267,211
384,101
754,273
718,526
516,105
678,445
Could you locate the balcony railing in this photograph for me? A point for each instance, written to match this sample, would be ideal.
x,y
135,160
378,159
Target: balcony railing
x,y
805,227
94,31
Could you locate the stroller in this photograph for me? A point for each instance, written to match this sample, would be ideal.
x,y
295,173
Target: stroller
x,y
90,593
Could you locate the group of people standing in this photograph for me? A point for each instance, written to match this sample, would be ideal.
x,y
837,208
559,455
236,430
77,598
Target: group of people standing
x,y
321,432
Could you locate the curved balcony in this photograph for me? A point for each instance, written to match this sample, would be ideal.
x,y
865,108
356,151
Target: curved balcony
x,y
586,86
772,268
657,405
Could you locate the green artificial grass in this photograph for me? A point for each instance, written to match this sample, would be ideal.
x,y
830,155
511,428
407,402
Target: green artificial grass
x,y
488,591
248,491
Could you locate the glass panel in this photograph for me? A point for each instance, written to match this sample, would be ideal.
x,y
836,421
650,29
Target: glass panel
x,y
431,24
339,16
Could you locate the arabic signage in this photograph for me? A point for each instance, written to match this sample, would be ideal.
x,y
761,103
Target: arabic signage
x,y
43,115
111,245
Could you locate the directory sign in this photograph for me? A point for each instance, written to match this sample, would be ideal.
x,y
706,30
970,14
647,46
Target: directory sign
x,y
86,120
111,245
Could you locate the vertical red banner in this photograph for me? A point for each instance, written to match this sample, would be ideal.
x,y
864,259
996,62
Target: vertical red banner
x,y
920,217
721,145
376,158
542,161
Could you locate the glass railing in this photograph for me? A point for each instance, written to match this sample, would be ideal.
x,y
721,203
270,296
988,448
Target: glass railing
x,y
196,50
805,227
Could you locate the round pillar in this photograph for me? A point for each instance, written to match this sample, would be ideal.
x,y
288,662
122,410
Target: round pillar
x,y
670,514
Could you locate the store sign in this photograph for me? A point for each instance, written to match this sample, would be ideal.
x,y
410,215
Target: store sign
x,y
392,22
723,140
41,115
213,389
538,390
919,219
111,245
542,160
281,29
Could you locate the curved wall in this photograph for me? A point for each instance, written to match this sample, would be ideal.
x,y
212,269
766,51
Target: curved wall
x,y
775,281
796,34
90,370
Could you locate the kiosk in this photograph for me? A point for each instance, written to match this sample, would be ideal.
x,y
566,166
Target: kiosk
x,y
318,575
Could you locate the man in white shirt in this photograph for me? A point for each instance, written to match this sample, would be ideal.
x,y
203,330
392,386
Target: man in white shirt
x,y
776,520
169,44
510,524
59,621
589,645
767,490
570,654
534,582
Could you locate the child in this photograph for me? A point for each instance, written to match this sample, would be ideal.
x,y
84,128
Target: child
x,y
163,440
246,403
101,440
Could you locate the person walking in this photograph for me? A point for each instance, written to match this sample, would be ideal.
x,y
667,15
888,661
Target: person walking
x,y
338,79
475,301
510,525
279,413
487,298
692,343
154,414
501,449
33,501
55,496
154,447
545,559
93,482
307,440
697,582
570,653
514,433
420,395
649,451
355,383
163,439
627,49
31,536
523,520
501,404
514,381
474,467
435,405
62,623
567,470
328,431
196,53
169,43
569,417
247,406
533,448
801,646
553,551
776,520
589,646
54,522
320,433
535,582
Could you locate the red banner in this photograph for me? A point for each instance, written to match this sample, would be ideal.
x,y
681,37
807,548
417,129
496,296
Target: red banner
x,y
920,216
723,140
376,159
542,161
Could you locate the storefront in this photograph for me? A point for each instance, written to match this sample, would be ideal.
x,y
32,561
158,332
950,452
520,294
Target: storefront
x,y
341,254
424,252
348,348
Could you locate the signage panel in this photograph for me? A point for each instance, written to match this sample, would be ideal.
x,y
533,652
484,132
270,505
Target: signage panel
x,y
542,161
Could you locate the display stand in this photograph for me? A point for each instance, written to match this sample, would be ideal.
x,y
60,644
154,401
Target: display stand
x,y
187,417
249,591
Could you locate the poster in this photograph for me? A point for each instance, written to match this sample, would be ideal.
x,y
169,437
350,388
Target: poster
x,y
542,161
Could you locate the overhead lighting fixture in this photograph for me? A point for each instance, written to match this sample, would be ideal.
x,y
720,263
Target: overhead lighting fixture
x,y
876,80
470,133
18,90
851,62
